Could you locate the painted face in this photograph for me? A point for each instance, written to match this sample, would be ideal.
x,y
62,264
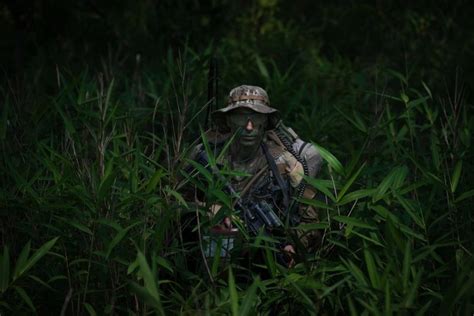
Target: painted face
x,y
249,125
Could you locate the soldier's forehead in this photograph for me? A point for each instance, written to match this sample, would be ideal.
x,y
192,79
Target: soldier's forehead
x,y
243,111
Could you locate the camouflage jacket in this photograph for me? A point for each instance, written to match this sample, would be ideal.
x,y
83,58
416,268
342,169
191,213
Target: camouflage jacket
x,y
290,169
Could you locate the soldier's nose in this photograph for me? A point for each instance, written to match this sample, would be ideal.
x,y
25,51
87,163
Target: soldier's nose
x,y
249,126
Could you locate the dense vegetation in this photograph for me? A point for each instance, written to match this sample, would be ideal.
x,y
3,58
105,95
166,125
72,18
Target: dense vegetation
x,y
101,102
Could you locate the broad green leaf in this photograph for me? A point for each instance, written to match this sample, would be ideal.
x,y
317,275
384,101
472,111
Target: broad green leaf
x,y
77,225
164,263
352,221
25,297
234,298
216,260
352,308
413,289
90,309
108,96
178,197
46,285
270,259
249,298
201,169
262,68
309,304
153,182
330,159
372,240
387,215
222,197
384,213
404,97
120,235
427,89
356,195
348,184
132,267
207,149
315,203
67,122
146,296
320,185
43,250
21,261
392,180
360,124
415,102
110,223
105,185
150,282
312,226
371,268
357,121
398,75
456,175
410,209
464,196
355,271
399,176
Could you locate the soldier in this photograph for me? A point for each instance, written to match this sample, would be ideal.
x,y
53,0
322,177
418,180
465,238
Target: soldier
x,y
273,159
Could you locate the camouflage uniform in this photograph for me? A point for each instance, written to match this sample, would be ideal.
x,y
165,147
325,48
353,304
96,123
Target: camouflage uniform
x,y
291,162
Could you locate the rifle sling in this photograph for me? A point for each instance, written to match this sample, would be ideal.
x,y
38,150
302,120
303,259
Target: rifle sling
x,y
280,181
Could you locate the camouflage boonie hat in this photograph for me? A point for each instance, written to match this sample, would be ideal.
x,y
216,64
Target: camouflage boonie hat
x,y
251,97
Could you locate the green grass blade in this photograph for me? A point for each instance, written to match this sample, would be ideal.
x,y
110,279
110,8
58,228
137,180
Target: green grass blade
x,y
353,221
456,176
150,282
249,298
234,298
406,266
21,261
25,297
330,159
90,309
43,250
371,268
348,184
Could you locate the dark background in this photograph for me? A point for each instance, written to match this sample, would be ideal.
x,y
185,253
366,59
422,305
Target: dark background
x,y
422,39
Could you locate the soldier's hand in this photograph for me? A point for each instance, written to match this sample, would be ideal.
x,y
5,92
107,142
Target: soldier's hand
x,y
290,251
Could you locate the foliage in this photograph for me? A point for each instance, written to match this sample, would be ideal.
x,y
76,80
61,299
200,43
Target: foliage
x,y
92,159
99,167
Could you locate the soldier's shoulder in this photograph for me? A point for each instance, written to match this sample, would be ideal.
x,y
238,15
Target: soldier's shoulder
x,y
274,144
214,139
303,149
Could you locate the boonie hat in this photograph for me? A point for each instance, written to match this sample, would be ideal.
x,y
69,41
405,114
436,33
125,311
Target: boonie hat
x,y
251,97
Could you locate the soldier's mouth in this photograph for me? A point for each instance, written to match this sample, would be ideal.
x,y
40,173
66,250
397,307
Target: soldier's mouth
x,y
248,137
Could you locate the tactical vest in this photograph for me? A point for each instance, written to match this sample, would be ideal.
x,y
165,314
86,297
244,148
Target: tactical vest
x,y
284,159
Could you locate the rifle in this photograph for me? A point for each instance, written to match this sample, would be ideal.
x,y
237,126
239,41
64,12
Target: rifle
x,y
211,91
255,214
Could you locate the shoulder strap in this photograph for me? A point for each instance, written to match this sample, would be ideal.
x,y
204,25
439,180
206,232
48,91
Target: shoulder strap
x,y
276,173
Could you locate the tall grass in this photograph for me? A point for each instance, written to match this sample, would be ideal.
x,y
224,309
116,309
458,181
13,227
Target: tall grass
x,y
91,174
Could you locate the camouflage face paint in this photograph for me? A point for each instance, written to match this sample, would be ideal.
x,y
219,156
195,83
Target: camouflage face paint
x,y
249,127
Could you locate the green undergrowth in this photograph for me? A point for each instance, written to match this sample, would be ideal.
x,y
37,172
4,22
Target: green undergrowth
x,y
93,218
